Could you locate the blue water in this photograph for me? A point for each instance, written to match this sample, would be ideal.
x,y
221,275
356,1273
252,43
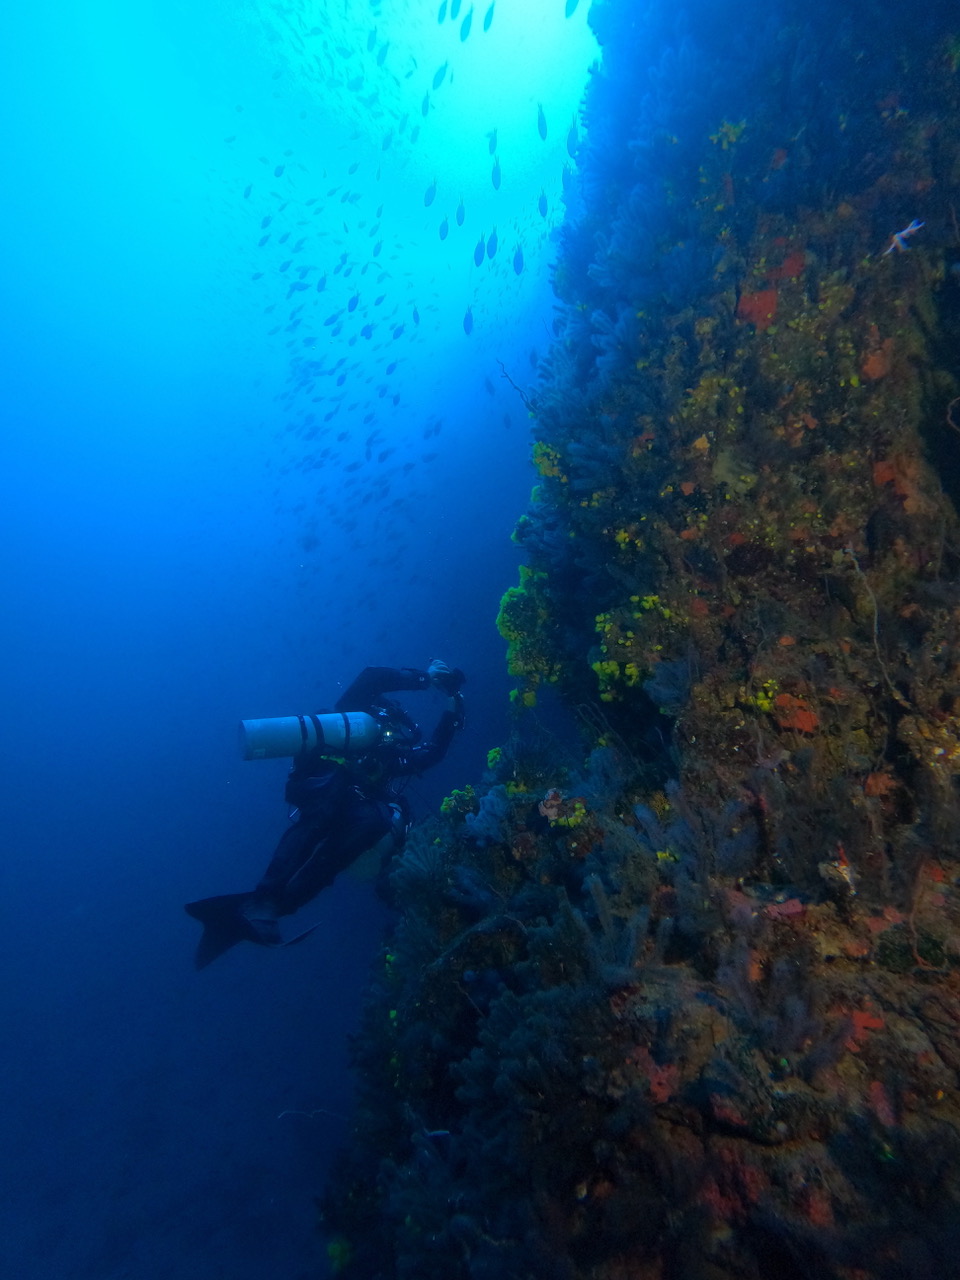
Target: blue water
x,y
188,540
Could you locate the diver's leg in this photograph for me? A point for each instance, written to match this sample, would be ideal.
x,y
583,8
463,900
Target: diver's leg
x,y
361,828
253,917
295,851
362,825
311,855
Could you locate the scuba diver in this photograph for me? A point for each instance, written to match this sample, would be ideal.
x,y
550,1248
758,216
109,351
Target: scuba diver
x,y
345,802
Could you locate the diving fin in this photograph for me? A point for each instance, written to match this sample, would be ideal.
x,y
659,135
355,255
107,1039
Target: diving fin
x,y
233,918
225,923
299,937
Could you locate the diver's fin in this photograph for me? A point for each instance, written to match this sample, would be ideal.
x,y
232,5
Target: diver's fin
x,y
225,924
300,936
233,918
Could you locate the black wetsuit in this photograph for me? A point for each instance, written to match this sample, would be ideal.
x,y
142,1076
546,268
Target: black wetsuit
x,y
346,807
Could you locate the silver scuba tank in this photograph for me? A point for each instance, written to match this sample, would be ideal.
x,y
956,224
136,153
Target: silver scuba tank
x,y
342,732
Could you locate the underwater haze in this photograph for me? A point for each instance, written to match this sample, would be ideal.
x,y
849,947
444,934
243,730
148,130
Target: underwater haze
x,y
277,279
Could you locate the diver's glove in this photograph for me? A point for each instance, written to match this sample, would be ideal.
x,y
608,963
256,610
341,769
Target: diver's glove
x,y
442,678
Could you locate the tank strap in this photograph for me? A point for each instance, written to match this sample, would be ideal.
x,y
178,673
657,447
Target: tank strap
x,y
317,728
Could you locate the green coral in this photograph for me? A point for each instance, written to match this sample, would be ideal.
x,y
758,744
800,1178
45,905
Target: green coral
x,y
460,803
614,675
339,1254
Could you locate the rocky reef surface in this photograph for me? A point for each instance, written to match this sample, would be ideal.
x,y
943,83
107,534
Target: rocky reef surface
x,y
680,998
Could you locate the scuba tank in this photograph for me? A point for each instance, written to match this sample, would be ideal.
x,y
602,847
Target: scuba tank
x,y
341,732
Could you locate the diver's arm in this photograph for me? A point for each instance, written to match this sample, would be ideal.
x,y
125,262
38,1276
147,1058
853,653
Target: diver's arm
x,y
373,681
427,754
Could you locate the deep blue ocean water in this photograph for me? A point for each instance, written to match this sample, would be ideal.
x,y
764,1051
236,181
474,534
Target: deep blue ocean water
x,y
225,492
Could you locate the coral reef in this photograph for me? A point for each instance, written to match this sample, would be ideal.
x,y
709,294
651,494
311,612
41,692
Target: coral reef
x,y
686,1003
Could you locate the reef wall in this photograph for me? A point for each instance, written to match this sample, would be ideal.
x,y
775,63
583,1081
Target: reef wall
x,y
686,1002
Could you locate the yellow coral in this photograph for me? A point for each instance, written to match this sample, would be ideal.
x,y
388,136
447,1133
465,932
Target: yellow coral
x,y
608,673
728,134
572,819
522,621
763,699
659,804
546,459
